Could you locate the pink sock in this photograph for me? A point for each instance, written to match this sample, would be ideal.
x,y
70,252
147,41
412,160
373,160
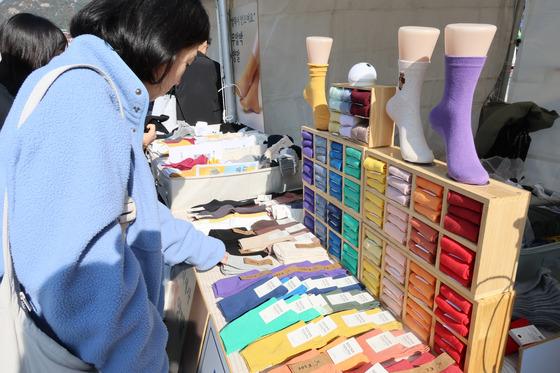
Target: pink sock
x,y
451,119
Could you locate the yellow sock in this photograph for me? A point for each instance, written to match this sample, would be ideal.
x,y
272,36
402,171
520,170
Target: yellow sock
x,y
315,95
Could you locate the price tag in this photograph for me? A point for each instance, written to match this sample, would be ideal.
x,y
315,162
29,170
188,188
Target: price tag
x,y
345,281
356,319
274,311
326,325
526,335
377,368
382,341
344,351
277,235
303,334
340,298
292,284
304,237
267,287
301,305
408,340
295,228
318,301
381,318
324,283
363,297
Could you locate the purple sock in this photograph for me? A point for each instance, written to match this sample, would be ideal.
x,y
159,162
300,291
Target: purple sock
x,y
451,119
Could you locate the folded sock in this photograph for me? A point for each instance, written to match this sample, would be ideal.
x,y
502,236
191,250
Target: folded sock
x,y
376,165
360,97
454,198
460,268
421,252
427,199
433,215
397,196
360,110
452,296
427,231
417,238
394,231
399,184
461,227
400,173
430,186
455,248
464,213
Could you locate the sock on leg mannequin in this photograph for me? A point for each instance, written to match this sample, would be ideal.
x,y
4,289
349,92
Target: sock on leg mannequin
x,y
451,119
315,95
404,109
251,100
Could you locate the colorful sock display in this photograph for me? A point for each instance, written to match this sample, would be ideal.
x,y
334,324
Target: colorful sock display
x,y
404,109
315,95
451,119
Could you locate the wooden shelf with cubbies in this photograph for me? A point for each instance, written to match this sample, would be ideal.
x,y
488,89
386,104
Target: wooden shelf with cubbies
x,y
496,244
381,126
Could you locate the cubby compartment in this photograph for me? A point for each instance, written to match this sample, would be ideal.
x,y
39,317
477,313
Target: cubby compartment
x,y
321,149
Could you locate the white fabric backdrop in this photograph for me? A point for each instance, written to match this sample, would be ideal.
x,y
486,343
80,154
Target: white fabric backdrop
x,y
536,77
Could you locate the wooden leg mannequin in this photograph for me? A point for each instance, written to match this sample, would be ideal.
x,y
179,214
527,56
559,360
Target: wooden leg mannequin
x,y
318,52
416,45
466,46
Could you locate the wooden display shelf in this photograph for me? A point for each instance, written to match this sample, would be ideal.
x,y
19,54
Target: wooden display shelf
x,y
381,126
491,294
501,228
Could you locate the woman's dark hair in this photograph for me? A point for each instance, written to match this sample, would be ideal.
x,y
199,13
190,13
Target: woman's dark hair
x,y
146,34
27,42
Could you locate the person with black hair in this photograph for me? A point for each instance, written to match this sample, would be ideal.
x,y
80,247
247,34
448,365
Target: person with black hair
x,y
27,42
198,94
69,169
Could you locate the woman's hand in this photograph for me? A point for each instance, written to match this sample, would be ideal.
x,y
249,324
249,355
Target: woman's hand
x,y
225,258
149,136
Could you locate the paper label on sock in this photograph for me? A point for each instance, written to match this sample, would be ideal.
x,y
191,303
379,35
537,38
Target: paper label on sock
x,y
339,298
381,318
318,301
324,283
344,351
309,283
295,228
345,281
417,314
267,287
301,305
408,340
363,298
274,311
420,234
377,368
303,335
382,341
388,291
525,335
257,262
264,197
310,365
326,326
280,211
356,319
277,235
292,284
304,237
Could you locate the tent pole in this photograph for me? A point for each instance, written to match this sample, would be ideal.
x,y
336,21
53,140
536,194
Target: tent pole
x,y
225,45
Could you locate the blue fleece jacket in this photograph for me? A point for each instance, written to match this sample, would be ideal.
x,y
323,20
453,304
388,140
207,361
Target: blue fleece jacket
x,y
66,170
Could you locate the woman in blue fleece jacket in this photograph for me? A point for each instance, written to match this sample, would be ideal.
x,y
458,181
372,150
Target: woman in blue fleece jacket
x,y
66,170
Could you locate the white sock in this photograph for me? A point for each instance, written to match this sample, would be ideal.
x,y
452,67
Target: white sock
x,y
404,109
